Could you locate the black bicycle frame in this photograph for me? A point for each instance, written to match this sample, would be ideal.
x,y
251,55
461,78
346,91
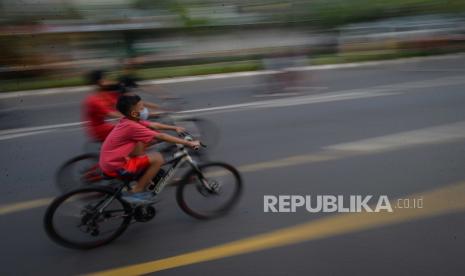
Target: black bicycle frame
x,y
180,157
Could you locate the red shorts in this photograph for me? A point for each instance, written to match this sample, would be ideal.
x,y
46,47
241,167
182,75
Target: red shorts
x,y
133,165
137,164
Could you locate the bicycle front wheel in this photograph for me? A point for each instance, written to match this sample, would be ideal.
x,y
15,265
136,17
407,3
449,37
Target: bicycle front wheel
x,y
87,218
211,191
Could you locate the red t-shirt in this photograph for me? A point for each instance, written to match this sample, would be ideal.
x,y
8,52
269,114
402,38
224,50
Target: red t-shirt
x,y
121,142
95,110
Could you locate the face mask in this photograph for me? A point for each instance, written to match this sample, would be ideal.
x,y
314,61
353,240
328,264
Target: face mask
x,y
144,114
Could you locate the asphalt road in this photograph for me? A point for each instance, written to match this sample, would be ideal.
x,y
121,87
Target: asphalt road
x,y
391,129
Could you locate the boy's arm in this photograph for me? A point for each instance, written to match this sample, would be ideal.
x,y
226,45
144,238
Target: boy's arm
x,y
175,140
160,126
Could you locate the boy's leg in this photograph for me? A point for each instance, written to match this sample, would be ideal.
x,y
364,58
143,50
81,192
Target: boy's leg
x,y
156,160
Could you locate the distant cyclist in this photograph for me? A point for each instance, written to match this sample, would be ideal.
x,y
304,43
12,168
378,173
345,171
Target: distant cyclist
x,y
100,105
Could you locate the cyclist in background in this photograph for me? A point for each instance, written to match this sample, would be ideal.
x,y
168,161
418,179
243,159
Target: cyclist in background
x,y
100,105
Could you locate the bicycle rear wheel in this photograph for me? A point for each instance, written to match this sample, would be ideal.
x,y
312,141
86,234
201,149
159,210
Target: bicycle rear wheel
x,y
210,192
87,218
77,171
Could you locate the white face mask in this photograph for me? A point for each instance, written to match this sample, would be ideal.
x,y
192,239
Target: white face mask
x,y
144,114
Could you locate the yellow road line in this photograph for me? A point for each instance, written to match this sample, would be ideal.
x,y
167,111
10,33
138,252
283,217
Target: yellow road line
x,y
436,202
26,205
322,156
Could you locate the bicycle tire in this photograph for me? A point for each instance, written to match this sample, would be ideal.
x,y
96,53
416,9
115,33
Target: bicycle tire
x,y
180,197
63,241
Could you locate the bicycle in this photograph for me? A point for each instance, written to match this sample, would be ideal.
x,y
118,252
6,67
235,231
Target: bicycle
x,y
88,210
83,169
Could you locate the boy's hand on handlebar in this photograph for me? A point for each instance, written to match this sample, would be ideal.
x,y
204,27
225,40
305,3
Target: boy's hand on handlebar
x,y
194,144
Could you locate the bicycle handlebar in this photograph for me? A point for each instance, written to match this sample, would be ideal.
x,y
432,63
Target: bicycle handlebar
x,y
189,137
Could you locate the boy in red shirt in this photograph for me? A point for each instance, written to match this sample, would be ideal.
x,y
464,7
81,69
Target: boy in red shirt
x,y
99,106
124,147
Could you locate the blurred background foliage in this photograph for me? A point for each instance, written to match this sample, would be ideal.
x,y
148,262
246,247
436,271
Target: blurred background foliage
x,y
53,42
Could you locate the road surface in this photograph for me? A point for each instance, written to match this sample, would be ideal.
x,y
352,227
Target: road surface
x,y
395,130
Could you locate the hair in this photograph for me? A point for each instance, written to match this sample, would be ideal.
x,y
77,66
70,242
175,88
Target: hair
x,y
95,76
126,102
